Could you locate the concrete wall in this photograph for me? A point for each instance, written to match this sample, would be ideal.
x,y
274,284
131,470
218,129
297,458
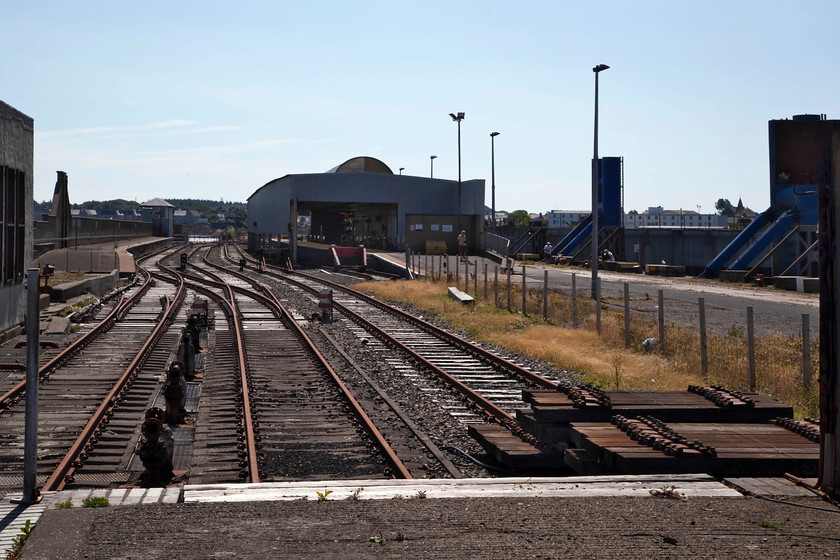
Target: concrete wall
x,y
16,151
691,248
84,231
96,285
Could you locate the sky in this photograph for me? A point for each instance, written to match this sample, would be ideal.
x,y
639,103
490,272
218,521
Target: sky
x,y
211,100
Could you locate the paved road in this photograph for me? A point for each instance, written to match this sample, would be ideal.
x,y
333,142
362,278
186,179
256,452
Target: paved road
x,y
774,310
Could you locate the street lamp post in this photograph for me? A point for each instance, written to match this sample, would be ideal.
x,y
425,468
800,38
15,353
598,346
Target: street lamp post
x,y
432,160
458,118
493,177
401,170
593,265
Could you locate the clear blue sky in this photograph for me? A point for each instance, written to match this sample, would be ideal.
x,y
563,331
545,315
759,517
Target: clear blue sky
x,y
206,99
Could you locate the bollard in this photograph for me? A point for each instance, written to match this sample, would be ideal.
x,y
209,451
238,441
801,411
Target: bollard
x,y
155,448
186,355
174,392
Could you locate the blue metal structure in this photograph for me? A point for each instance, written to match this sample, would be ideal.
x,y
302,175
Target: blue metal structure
x,y
793,200
610,206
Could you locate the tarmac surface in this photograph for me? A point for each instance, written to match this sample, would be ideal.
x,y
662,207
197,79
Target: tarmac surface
x,y
579,517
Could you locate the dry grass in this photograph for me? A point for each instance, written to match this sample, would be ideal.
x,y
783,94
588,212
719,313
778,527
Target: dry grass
x,y
604,360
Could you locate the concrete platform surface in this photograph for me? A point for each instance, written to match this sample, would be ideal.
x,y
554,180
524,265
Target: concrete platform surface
x,y
581,517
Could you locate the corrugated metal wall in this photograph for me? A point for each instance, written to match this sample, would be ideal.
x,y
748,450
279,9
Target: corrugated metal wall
x,y
268,207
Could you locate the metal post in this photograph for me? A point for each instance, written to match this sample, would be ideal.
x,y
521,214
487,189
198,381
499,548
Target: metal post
x,y
496,286
829,265
30,438
508,288
475,278
408,260
598,305
661,300
545,295
751,347
524,292
493,179
626,315
457,272
704,348
485,280
574,298
806,351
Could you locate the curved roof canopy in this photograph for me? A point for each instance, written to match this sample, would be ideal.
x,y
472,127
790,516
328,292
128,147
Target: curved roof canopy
x,y
362,164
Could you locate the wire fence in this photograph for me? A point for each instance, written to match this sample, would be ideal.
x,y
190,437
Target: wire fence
x,y
780,365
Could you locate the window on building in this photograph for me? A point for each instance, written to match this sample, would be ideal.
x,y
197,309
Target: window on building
x,y
12,224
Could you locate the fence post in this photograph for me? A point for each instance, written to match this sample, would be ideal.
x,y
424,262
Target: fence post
x,y
661,303
496,286
508,288
751,347
545,295
475,278
704,349
485,281
806,351
626,315
458,272
524,292
574,298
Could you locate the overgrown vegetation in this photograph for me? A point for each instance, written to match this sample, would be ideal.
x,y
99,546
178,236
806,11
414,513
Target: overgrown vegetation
x,y
604,360
95,502
77,306
18,541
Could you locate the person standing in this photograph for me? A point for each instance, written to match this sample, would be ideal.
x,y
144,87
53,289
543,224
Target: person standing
x,y
462,244
547,251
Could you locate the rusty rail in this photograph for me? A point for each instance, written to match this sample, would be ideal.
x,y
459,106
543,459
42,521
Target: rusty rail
x,y
270,300
75,456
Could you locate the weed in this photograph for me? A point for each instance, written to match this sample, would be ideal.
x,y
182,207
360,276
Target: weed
x,y
764,523
399,537
669,492
378,539
74,329
322,496
64,505
419,495
398,497
354,495
95,502
18,541
618,364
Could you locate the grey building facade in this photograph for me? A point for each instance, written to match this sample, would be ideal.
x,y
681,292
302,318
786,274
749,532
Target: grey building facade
x,y
362,202
16,211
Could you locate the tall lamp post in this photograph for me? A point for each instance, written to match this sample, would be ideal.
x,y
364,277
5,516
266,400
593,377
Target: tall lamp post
x,y
593,263
432,160
458,118
401,170
493,177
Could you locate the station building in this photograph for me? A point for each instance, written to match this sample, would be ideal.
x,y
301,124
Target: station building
x,y
16,212
362,202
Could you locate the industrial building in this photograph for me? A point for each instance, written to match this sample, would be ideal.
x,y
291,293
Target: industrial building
x,y
362,202
16,193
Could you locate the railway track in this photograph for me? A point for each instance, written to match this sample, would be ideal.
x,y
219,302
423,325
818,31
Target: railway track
x,y
80,385
488,383
305,421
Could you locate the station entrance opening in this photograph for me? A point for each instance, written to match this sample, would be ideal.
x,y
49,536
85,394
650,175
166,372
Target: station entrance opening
x,y
351,224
